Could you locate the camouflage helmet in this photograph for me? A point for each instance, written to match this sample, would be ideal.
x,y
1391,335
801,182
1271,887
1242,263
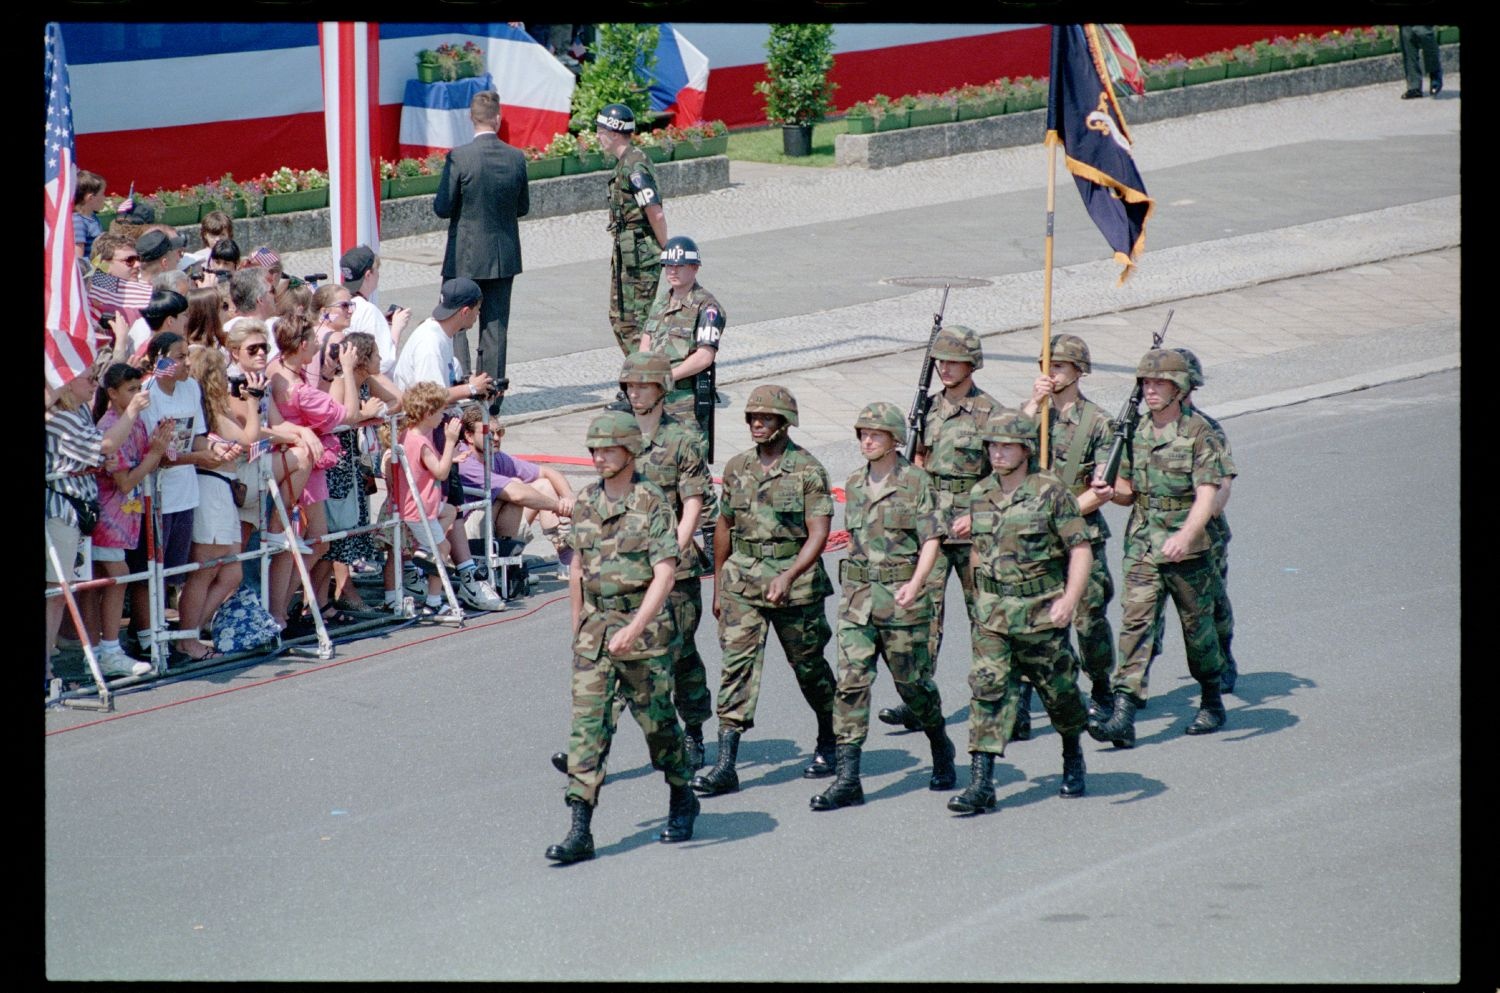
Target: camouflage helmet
x,y
1195,368
615,427
1164,363
1070,348
768,399
681,251
1011,426
882,416
647,367
956,343
616,117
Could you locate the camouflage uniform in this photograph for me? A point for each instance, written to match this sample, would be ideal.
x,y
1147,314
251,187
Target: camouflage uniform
x,y
1096,642
766,511
1021,545
617,542
888,524
680,328
1164,468
635,263
1218,536
955,458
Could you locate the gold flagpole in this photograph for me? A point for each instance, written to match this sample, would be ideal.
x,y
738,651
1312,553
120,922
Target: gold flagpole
x,y
1053,141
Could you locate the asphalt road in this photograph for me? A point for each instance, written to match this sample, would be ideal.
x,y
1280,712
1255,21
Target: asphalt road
x,y
385,816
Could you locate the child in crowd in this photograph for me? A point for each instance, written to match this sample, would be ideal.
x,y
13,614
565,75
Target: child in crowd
x,y
87,200
522,491
120,509
424,404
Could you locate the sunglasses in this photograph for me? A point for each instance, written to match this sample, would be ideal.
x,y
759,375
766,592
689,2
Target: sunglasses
x,y
129,260
345,304
260,348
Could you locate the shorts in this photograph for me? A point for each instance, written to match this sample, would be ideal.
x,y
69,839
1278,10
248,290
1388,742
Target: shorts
x,y
419,535
176,545
216,520
65,538
102,554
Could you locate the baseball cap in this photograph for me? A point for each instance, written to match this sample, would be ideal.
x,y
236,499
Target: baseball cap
x,y
154,244
354,265
457,294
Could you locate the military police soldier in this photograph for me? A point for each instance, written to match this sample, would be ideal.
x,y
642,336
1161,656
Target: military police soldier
x,y
891,514
1170,477
954,456
625,544
685,325
774,519
1079,435
637,224
670,458
1031,560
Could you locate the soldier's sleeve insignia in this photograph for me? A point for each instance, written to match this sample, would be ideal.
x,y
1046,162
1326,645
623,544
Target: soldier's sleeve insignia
x,y
710,326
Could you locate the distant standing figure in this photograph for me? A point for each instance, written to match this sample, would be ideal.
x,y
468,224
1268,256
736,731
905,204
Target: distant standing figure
x,y
1420,41
483,194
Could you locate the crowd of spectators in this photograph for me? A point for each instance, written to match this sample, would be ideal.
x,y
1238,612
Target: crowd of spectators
x,y
220,378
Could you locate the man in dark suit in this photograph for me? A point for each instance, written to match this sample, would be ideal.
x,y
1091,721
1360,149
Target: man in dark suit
x,y
483,193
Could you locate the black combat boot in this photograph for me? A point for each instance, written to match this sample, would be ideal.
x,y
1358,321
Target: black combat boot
x,y
1210,710
721,778
694,743
943,773
560,762
579,844
980,796
845,790
1120,728
681,811
1021,730
900,715
1073,768
824,752
1101,702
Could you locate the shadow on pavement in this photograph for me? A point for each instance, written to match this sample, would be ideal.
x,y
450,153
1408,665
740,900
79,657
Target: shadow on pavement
x,y
1121,787
708,829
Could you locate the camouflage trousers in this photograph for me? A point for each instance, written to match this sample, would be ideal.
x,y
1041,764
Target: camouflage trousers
x,y
803,632
1193,585
632,289
647,684
1223,610
1096,642
952,557
689,678
1047,661
905,652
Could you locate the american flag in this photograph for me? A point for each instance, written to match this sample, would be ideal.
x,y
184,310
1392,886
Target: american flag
x,y
350,53
69,348
128,296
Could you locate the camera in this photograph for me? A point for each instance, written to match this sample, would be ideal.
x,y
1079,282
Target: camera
x,y
391,311
497,387
237,387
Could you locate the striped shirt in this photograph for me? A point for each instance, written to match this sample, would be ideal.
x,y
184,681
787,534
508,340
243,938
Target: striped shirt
x,y
73,444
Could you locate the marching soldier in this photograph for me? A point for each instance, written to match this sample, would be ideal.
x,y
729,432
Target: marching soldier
x,y
625,543
1170,477
686,326
637,223
671,460
954,456
893,526
1080,434
768,565
1218,534
1031,560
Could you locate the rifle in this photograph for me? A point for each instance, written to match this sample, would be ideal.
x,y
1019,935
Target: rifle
x,y
1130,415
703,407
916,418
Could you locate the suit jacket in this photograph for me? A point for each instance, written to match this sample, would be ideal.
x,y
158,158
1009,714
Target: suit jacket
x,y
483,193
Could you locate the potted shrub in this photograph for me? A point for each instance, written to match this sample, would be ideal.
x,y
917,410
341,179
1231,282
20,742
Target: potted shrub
x,y
1026,93
177,207
890,115
1166,72
1362,42
932,108
588,157
387,173
696,141
1301,51
861,118
624,56
796,87
232,197
417,177
656,144
1204,68
428,68
974,102
1331,48
1387,39
1243,60
540,165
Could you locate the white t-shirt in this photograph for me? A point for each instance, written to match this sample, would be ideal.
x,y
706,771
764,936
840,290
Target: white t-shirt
x,y
178,485
368,319
426,357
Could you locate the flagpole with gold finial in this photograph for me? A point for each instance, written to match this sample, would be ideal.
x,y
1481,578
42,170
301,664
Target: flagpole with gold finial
x,y
1044,449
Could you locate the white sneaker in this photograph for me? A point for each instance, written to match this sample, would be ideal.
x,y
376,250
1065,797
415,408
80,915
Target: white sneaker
x,y
277,542
414,582
478,593
114,662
